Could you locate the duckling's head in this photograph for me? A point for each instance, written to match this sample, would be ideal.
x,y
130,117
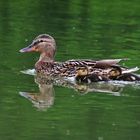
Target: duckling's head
x,y
82,71
43,43
116,71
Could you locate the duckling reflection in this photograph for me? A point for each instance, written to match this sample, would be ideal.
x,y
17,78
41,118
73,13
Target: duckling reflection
x,y
42,100
100,87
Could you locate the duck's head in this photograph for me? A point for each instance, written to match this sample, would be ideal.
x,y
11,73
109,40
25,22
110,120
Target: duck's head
x,y
82,71
44,43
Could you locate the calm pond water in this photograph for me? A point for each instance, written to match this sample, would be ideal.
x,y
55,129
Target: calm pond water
x,y
82,29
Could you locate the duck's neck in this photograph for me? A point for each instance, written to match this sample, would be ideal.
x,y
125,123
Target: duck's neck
x,y
46,57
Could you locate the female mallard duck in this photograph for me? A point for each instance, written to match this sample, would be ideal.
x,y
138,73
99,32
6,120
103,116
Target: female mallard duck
x,y
45,44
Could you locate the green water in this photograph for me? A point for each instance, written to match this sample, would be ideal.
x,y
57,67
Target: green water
x,y
83,29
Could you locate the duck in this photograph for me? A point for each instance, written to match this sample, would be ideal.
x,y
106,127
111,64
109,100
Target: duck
x,y
47,66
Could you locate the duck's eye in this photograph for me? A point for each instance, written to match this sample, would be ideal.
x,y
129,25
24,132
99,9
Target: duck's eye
x,y
41,41
35,43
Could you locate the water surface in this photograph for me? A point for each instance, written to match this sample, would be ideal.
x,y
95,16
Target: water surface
x,y
82,29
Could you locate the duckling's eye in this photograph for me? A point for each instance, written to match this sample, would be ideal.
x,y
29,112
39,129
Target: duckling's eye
x,y
83,70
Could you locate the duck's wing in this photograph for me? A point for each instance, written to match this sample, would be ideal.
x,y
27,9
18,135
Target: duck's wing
x,y
68,68
94,63
107,63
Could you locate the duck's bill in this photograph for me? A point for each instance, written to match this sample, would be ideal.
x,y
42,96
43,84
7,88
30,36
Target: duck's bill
x,y
27,49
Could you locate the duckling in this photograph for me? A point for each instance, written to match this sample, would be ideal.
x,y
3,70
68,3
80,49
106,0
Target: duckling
x,y
83,76
128,77
115,72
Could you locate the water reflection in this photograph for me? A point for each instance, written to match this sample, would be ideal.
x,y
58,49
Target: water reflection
x,y
44,99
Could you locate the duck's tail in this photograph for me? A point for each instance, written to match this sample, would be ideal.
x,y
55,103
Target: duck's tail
x,y
130,70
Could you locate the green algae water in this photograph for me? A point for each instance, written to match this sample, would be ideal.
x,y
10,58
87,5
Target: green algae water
x,y
82,29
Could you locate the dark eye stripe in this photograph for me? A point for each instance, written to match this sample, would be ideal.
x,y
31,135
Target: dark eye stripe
x,y
38,41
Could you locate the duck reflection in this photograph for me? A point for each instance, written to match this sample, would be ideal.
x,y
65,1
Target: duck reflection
x,y
44,99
